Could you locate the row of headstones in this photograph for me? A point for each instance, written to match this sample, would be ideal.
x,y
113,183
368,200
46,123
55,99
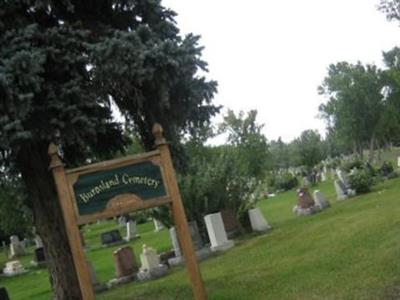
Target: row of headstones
x,y
220,228
113,237
126,266
314,178
307,205
17,249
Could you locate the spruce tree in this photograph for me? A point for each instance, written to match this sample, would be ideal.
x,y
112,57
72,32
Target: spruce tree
x,y
62,65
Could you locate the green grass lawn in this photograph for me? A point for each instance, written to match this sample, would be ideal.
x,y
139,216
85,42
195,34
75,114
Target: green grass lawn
x,y
349,251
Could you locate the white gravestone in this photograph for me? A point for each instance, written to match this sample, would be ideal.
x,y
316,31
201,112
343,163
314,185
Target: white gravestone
x,y
131,230
16,247
257,220
398,161
157,225
216,233
340,190
343,178
201,251
320,200
122,221
38,242
13,268
151,267
175,242
323,176
306,182
149,258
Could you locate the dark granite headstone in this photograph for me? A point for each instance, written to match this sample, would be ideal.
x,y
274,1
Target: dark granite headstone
x,y
231,224
3,294
111,237
39,255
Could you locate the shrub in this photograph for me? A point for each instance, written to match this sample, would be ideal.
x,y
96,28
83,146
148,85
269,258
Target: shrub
x,y
386,169
286,181
281,182
211,184
361,180
347,166
140,217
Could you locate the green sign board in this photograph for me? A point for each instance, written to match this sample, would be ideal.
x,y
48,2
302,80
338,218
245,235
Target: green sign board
x,y
93,191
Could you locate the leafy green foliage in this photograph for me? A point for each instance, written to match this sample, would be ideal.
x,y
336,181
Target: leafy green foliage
x,y
308,148
348,165
355,102
215,182
15,216
361,180
391,8
282,181
250,145
386,169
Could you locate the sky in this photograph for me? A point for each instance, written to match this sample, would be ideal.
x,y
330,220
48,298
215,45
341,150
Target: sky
x,y
272,55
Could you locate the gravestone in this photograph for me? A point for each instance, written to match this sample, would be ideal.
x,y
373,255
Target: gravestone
x,y
216,233
125,262
257,220
110,238
305,204
304,198
16,247
122,220
323,176
320,200
341,193
343,178
158,225
5,249
149,258
38,242
13,268
398,161
201,251
318,177
353,171
39,258
150,265
131,233
306,181
3,294
231,224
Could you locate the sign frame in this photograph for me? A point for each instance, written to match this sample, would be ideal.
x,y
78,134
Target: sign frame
x,y
121,204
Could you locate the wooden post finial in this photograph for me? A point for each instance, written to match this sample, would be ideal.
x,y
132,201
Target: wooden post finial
x,y
55,159
158,134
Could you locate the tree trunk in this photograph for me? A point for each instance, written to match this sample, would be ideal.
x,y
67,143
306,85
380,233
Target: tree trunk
x,y
33,163
371,148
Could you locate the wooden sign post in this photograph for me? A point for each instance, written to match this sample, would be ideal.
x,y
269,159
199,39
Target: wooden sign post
x,y
117,187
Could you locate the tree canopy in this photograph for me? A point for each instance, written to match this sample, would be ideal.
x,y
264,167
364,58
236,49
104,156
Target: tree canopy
x,y
355,102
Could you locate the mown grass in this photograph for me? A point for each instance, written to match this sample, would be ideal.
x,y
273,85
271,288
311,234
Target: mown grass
x,y
349,251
